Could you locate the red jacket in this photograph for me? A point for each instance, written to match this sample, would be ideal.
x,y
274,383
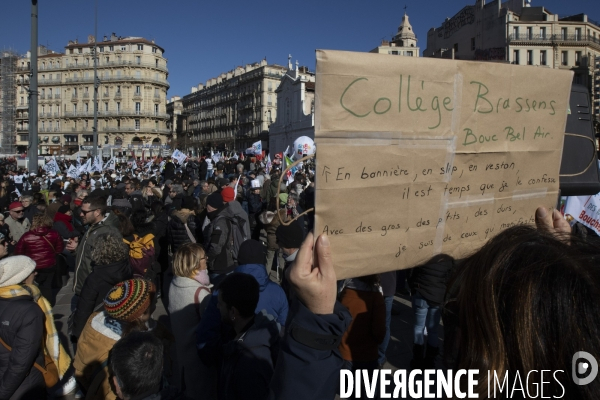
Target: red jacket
x,y
41,244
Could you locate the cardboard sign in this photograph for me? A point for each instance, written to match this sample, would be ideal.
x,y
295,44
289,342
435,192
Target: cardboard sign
x,y
421,156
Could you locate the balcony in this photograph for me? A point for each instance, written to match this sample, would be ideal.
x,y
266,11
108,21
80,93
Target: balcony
x,y
86,95
105,94
57,96
583,40
46,81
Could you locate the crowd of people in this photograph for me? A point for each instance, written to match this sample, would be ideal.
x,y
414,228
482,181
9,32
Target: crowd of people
x,y
254,307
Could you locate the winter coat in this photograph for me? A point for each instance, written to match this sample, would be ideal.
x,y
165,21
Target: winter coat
x,y
217,236
41,244
254,203
83,257
271,298
176,232
169,170
185,311
271,228
29,212
17,228
202,169
367,329
238,211
95,288
430,281
22,328
248,361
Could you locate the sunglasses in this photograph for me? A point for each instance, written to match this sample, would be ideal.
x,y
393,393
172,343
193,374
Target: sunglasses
x,y
17,212
86,212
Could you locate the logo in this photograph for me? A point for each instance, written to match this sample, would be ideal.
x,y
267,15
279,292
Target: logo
x,y
5,323
584,364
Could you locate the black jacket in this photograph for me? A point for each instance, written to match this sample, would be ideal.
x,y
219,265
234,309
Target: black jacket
x,y
21,327
202,170
95,288
176,232
430,281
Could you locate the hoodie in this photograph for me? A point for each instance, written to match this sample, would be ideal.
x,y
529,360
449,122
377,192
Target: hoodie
x,y
271,298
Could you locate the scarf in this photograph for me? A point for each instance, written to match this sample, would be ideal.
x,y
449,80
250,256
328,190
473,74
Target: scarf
x,y
52,345
65,219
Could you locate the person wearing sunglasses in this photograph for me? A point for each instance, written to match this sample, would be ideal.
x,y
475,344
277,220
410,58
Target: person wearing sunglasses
x,y
16,221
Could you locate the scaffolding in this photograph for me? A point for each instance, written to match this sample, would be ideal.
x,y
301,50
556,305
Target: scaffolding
x,y
8,99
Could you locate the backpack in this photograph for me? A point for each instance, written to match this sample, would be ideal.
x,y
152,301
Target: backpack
x,y
237,236
141,254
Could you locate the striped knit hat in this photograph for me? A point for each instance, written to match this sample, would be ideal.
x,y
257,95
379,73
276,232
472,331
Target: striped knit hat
x,y
128,300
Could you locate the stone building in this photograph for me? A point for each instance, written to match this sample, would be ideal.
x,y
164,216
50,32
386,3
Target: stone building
x,y
132,76
517,33
231,111
296,109
404,43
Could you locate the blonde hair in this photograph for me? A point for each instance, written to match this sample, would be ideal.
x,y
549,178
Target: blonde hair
x,y
187,258
40,221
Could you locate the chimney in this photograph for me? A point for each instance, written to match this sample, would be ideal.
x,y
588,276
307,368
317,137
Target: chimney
x,y
113,37
105,38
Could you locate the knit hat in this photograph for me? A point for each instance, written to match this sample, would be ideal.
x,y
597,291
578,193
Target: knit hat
x,y
15,269
215,200
64,209
121,203
15,204
128,300
252,252
65,197
290,236
228,194
283,197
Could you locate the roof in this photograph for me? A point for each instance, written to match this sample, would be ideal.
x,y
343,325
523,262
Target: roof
x,y
51,55
114,42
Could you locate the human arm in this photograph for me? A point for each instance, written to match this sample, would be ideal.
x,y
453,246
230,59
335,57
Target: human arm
x,y
552,221
21,247
58,243
85,307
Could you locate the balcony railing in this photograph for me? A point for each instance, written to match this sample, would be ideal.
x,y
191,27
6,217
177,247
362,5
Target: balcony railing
x,y
524,37
123,113
118,64
118,79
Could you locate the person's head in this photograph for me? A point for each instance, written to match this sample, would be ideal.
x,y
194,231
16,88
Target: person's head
x,y
176,189
16,210
122,205
26,200
252,252
129,188
131,302
204,186
228,194
1,219
92,210
528,300
292,199
238,297
109,249
289,237
15,270
41,221
189,260
136,361
214,202
196,182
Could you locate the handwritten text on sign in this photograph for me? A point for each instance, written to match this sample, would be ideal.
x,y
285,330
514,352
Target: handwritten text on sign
x,y
421,156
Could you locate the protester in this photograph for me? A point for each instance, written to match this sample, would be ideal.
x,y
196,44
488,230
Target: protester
x,y
189,294
16,221
42,244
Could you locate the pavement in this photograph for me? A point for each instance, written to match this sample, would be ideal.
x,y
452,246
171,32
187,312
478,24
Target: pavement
x,y
399,352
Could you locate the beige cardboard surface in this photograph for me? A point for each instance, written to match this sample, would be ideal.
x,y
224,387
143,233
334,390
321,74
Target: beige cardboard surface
x,y
418,156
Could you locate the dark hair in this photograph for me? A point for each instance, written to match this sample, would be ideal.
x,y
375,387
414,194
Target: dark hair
x,y
371,280
528,300
240,291
156,208
125,226
136,361
97,203
138,217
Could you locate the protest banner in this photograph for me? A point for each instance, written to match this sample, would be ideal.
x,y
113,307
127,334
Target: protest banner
x,y
585,210
179,156
257,147
72,172
51,167
421,156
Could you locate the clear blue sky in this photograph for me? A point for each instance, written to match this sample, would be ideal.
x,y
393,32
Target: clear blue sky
x,y
205,38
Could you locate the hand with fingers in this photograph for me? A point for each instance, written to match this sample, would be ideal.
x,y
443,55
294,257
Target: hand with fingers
x,y
552,221
312,275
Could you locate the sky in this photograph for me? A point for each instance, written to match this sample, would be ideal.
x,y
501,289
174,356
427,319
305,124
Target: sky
x,y
203,39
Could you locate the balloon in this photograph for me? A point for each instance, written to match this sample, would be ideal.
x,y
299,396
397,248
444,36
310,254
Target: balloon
x,y
303,146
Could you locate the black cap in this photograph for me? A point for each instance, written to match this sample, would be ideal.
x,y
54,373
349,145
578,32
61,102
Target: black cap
x,y
290,236
252,252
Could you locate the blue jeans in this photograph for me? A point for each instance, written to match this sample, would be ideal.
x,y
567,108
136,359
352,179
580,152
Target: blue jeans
x,y
389,300
426,316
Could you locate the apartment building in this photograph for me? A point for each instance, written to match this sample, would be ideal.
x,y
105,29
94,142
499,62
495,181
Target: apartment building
x,y
404,43
231,111
132,90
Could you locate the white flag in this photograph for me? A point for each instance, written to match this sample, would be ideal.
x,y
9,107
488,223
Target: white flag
x,y
51,167
149,165
257,147
78,161
179,156
72,172
285,153
216,157
111,164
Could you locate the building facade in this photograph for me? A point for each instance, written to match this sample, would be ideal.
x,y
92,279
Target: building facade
x,y
231,111
517,33
404,43
296,109
132,91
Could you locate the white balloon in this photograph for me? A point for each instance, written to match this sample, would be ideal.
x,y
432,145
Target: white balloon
x,y
303,146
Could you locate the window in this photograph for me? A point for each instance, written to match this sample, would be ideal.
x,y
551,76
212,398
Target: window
x,y
156,94
101,49
455,47
74,92
529,32
543,32
156,63
269,100
111,48
123,47
156,125
516,32
563,33
156,109
80,50
529,57
118,106
138,90
118,89
137,124
107,59
516,57
577,58
70,51
74,108
154,49
409,53
140,47
138,74
472,44
564,58
106,106
138,108
543,60
88,138
270,86
577,33
118,123
86,107
86,124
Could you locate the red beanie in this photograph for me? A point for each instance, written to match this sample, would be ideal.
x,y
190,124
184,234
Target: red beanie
x,y
15,204
228,194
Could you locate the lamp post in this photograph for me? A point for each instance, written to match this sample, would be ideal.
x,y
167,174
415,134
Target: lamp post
x,y
33,99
